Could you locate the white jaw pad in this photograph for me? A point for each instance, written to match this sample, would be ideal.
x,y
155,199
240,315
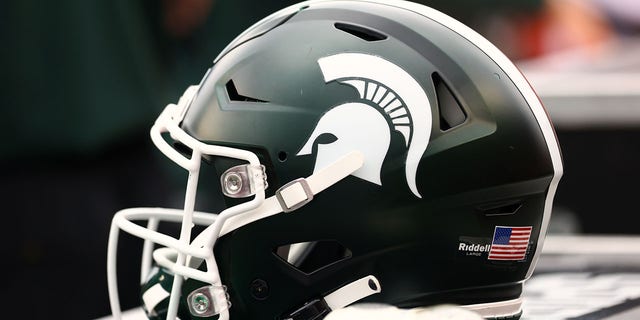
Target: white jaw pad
x,y
153,296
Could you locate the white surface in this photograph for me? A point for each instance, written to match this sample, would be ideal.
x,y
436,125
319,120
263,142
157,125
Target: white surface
x,y
569,295
585,84
586,100
382,312
583,89
592,245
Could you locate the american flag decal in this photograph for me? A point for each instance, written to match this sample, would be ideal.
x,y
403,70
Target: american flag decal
x,y
509,243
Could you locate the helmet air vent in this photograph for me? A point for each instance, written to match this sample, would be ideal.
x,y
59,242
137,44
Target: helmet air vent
x,y
312,256
501,208
363,33
233,94
451,112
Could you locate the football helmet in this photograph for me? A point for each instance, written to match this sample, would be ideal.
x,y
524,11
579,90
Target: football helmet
x,y
367,151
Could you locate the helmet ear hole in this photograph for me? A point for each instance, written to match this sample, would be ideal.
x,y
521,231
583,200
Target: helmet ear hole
x,y
309,257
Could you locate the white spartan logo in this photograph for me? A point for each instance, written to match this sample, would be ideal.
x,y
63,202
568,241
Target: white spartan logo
x,y
402,106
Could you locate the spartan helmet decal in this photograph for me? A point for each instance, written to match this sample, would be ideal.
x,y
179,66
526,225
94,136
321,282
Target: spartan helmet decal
x,y
400,104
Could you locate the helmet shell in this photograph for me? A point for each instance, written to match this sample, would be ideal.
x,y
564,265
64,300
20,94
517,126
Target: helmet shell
x,y
267,93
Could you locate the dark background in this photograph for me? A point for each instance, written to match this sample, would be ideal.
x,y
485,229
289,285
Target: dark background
x,y
81,84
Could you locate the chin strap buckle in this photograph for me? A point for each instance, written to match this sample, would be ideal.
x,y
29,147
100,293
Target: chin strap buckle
x,y
294,195
319,308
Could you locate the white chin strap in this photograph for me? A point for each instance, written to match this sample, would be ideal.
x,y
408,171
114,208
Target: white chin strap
x,y
344,296
288,198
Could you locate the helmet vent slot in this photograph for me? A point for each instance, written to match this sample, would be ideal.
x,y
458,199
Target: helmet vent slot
x,y
312,256
233,94
363,33
501,209
452,113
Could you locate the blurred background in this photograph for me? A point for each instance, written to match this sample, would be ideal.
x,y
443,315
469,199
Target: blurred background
x,y
82,82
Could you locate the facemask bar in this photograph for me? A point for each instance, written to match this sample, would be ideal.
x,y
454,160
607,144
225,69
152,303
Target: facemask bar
x,y
289,197
169,122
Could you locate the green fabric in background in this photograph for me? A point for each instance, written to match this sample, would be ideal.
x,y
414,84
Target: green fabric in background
x,y
78,75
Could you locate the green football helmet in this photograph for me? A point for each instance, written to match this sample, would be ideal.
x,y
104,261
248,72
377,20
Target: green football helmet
x,y
368,151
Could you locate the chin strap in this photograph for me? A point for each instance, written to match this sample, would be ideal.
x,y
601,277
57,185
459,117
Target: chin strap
x,y
346,295
290,197
299,192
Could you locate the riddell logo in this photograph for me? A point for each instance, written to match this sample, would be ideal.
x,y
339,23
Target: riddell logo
x,y
474,247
